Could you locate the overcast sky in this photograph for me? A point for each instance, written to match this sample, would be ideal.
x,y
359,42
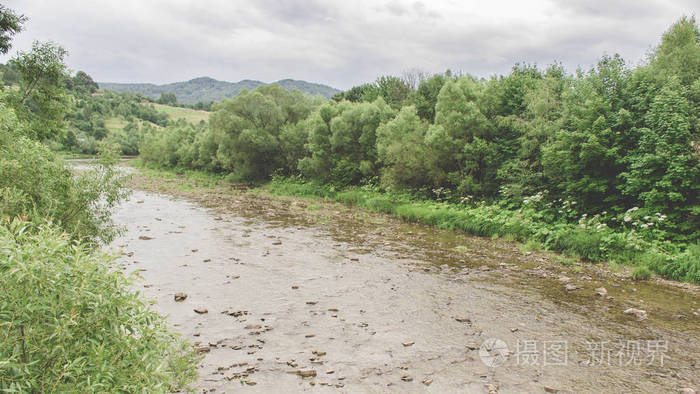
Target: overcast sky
x,y
339,43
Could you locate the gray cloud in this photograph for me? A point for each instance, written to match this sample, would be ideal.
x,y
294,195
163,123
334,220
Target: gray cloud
x,y
341,43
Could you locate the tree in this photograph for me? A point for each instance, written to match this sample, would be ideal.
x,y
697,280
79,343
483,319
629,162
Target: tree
x,y
427,96
83,83
167,99
408,163
10,24
40,99
664,171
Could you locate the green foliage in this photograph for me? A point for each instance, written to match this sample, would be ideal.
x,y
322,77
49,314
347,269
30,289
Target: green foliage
x,y
407,162
206,90
36,183
69,321
10,24
167,99
342,142
82,84
641,273
40,100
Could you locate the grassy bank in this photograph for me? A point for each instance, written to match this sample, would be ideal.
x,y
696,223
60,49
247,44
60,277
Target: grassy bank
x,y
589,239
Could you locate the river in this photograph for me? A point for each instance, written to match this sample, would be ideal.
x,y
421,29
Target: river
x,y
303,295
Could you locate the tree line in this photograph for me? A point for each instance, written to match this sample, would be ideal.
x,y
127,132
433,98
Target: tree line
x,y
616,141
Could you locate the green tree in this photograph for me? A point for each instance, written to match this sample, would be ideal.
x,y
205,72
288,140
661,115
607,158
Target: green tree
x,y
10,24
342,142
167,99
82,83
40,100
664,172
427,96
408,163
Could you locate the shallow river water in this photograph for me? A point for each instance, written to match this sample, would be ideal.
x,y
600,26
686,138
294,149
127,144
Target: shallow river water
x,y
370,304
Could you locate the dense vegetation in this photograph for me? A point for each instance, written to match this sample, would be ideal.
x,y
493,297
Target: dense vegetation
x,y
204,90
603,164
68,320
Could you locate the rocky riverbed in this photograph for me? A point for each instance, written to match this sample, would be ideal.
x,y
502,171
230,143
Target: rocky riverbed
x,y
289,295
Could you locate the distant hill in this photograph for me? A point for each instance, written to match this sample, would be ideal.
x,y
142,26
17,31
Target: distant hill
x,y
207,89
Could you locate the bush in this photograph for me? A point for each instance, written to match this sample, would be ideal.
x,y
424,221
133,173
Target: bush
x,y
34,182
69,322
641,273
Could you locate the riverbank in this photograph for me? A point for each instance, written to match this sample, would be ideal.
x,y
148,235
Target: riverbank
x,y
589,241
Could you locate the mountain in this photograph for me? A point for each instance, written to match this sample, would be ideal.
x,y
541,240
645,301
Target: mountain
x,y
207,89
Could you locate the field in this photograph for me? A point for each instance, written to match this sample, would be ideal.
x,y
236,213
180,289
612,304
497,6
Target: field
x,y
190,115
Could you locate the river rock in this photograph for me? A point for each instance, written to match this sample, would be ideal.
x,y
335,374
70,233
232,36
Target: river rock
x,y
407,378
179,297
463,319
278,242
686,390
564,279
427,382
145,238
201,310
571,287
203,349
407,344
638,313
472,346
601,292
306,373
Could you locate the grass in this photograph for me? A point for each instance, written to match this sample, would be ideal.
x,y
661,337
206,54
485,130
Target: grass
x,y
190,115
115,123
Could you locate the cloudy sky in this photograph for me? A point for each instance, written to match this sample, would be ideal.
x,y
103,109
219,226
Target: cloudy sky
x,y
340,43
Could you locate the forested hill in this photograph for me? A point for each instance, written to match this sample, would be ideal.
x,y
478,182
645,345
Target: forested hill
x,y
207,89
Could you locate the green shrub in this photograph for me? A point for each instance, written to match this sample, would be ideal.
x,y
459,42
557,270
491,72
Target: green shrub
x,y
641,272
35,182
68,322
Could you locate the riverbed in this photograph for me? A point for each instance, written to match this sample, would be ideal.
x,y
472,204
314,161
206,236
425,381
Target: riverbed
x,y
291,295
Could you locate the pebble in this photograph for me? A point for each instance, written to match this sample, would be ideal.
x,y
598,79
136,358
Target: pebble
x,y
307,373
407,378
407,344
427,382
571,287
145,238
201,310
179,297
640,314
